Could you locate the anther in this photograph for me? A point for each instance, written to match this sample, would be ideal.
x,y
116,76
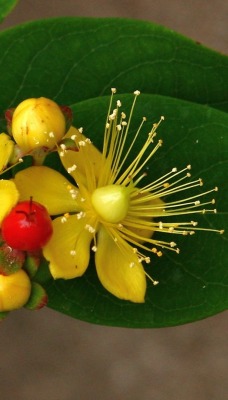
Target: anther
x,y
82,143
194,223
80,215
71,169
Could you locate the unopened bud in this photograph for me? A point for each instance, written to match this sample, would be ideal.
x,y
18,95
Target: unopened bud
x,y
38,123
15,290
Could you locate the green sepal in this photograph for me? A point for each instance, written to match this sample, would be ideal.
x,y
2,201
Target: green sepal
x,y
38,297
32,264
3,315
11,260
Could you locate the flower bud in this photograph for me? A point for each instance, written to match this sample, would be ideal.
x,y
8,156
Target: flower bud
x,y
15,290
38,123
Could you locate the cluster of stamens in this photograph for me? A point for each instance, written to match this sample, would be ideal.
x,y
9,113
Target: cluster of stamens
x,y
145,206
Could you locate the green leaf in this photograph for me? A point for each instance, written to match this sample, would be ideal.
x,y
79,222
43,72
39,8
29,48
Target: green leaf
x,y
6,7
73,59
193,284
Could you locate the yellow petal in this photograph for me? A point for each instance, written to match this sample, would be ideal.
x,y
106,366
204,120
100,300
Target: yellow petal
x,y
6,149
48,187
120,273
68,251
84,164
9,197
145,233
95,156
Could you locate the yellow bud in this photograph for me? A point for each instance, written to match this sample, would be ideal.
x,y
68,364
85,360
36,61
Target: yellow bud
x,y
38,123
15,290
111,202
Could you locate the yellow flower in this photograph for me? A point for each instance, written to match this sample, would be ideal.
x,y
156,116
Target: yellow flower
x,y
106,210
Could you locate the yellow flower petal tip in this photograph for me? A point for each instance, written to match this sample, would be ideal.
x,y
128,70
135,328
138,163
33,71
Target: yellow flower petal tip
x,y
9,196
119,270
38,123
15,290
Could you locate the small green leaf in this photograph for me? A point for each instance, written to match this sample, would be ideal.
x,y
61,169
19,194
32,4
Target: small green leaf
x,y
73,59
193,284
6,7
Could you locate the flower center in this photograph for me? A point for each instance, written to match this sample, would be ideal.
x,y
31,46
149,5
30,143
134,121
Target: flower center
x,y
111,202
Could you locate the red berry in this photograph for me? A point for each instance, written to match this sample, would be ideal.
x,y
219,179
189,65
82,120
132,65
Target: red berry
x,y
27,227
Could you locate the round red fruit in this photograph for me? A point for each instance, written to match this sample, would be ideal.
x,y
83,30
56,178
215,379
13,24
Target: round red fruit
x,y
27,227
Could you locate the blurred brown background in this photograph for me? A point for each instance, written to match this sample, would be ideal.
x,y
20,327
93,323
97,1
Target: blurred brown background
x,y
48,356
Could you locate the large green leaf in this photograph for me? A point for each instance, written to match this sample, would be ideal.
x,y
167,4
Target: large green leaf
x,y
193,284
73,59
5,7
